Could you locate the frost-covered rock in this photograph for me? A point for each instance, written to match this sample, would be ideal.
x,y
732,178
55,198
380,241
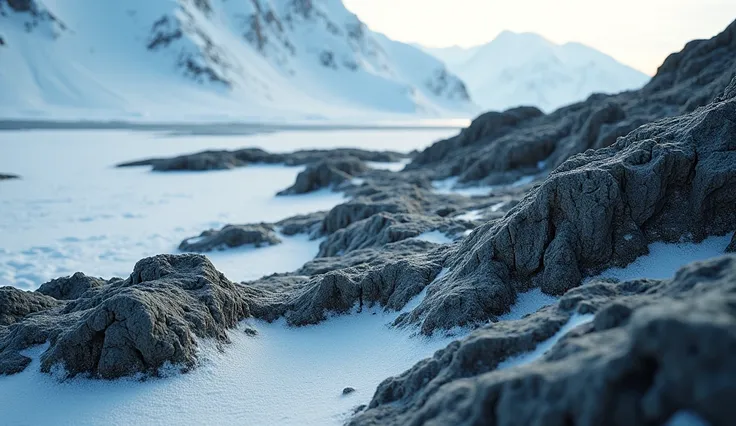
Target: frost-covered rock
x,y
70,288
231,236
653,348
384,228
325,174
125,327
667,180
16,304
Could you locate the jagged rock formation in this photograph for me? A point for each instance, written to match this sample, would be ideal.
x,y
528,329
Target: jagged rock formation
x,y
125,327
221,160
231,236
326,174
499,147
384,228
70,288
17,304
667,180
653,348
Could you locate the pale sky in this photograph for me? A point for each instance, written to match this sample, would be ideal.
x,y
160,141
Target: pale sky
x,y
640,33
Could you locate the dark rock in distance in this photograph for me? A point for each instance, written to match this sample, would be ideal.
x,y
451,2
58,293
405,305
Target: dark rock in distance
x,y
231,236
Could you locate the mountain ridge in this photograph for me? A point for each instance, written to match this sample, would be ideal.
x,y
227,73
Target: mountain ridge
x,y
516,69
256,58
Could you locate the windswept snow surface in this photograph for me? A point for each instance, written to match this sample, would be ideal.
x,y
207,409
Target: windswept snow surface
x,y
664,259
283,376
73,211
213,60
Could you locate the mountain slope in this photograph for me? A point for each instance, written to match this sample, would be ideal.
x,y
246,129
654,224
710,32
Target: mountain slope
x,y
527,69
211,58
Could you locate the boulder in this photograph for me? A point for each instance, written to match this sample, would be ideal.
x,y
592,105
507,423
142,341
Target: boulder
x,y
231,236
326,174
70,288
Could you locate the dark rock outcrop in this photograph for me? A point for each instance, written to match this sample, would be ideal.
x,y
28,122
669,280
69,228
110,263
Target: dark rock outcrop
x,y
17,304
384,228
231,236
126,327
8,176
326,174
654,348
668,180
70,288
523,140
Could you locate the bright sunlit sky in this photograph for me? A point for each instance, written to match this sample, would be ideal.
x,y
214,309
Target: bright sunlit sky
x,y
639,33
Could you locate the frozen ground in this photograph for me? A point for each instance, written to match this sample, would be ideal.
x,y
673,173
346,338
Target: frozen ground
x,y
73,211
665,259
283,376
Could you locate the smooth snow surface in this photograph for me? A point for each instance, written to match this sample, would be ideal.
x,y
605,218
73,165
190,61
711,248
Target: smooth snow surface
x,y
665,259
73,211
283,376
471,215
436,237
545,346
528,303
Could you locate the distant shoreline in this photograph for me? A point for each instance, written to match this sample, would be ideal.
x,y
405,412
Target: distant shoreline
x,y
224,128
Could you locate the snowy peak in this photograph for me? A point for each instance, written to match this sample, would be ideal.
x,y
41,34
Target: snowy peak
x,y
527,69
252,57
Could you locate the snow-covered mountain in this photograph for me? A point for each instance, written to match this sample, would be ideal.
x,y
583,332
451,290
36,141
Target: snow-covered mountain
x,y
527,69
211,58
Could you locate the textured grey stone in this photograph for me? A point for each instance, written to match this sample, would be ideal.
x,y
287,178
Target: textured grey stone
x,y
302,224
231,236
668,180
16,304
325,174
384,228
653,349
131,326
69,288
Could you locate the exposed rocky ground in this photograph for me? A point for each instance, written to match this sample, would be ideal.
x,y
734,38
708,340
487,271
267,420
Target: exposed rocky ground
x,y
8,176
609,176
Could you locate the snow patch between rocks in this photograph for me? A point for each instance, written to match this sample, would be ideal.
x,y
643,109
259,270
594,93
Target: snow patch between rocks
x,y
664,259
436,237
542,348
